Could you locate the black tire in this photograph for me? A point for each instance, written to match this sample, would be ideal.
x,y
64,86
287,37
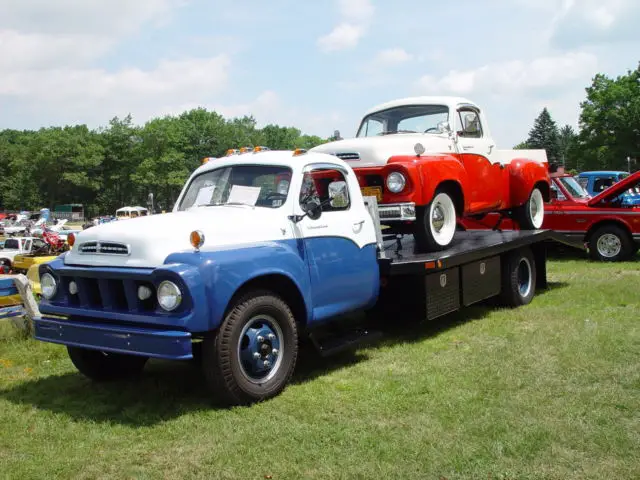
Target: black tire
x,y
104,366
525,215
518,278
611,243
425,236
228,362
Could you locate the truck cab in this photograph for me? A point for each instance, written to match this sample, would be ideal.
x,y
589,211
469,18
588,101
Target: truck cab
x,y
432,160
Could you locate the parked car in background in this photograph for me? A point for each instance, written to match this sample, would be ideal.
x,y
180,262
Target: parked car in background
x,y
596,182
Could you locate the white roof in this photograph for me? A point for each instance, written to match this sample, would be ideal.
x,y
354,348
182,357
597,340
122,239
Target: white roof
x,y
421,100
272,157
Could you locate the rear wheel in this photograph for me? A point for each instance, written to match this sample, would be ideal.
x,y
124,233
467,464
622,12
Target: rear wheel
x,y
531,215
518,278
611,243
102,366
435,227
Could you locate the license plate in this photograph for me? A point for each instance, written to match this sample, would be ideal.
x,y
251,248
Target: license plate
x,y
372,192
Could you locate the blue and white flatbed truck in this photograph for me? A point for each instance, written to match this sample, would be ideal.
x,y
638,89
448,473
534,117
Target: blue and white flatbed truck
x,y
261,249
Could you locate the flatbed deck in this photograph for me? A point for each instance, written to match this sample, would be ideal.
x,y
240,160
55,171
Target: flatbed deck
x,y
401,258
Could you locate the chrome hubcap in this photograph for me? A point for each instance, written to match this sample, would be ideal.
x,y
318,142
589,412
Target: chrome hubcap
x,y
437,218
609,245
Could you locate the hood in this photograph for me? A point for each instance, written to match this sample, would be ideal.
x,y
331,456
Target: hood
x,y
149,240
616,189
375,151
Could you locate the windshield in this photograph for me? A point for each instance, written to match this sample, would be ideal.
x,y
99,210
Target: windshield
x,y
11,244
573,187
404,119
255,185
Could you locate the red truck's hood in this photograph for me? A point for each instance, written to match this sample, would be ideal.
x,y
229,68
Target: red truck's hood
x,y
615,190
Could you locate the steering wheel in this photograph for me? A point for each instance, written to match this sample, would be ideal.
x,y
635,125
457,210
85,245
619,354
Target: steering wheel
x,y
432,128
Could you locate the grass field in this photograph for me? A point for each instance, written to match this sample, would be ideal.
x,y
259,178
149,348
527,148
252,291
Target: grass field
x,y
551,390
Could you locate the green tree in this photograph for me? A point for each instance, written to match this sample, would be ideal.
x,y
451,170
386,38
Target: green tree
x,y
610,121
544,135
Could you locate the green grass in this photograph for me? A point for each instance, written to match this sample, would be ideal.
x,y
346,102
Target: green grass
x,y
551,390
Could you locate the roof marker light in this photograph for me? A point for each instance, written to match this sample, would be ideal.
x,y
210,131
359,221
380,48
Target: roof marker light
x,y
299,151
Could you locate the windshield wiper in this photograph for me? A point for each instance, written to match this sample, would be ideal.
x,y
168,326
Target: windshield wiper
x,y
389,132
222,204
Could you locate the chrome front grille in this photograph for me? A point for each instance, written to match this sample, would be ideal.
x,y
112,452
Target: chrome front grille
x,y
107,248
347,156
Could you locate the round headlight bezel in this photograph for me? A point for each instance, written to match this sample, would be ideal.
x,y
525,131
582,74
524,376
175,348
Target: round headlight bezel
x,y
177,294
44,287
399,178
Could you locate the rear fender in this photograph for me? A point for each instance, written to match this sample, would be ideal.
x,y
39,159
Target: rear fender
x,y
523,176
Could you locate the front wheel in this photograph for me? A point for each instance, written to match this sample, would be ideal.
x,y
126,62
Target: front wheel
x,y
251,357
436,225
611,243
531,215
102,366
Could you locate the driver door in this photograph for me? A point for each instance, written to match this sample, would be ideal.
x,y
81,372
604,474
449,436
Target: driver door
x,y
477,154
340,243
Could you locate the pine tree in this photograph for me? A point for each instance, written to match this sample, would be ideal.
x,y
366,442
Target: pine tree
x,y
544,135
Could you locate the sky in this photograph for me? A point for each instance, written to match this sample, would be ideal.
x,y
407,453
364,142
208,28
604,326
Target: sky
x,y
317,65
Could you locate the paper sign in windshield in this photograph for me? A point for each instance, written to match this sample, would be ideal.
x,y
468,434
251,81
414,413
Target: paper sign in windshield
x,y
204,195
244,194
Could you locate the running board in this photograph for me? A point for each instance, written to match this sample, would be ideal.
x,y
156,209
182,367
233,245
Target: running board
x,y
336,343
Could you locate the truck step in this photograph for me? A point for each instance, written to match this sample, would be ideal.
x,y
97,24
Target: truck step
x,y
336,343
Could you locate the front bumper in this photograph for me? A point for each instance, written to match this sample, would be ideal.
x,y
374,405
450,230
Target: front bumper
x,y
155,343
397,212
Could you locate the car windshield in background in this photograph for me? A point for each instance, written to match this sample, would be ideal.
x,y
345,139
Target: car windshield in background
x,y
574,188
405,119
11,244
254,185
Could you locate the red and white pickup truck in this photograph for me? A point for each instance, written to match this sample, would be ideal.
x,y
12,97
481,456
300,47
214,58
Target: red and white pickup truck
x,y
431,160
607,227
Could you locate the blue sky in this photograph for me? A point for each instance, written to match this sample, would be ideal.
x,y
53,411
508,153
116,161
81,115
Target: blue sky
x,y
317,65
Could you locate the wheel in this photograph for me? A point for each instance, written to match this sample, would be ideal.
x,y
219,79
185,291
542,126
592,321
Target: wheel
x,y
518,278
531,215
101,366
251,357
611,243
436,225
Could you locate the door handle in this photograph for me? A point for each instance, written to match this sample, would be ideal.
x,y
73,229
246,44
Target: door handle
x,y
358,223
467,147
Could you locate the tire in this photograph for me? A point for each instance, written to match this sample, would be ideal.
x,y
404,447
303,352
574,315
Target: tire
x,y
105,366
431,235
611,243
518,278
233,373
530,216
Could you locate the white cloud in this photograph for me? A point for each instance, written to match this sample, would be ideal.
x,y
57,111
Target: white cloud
x,y
82,16
341,37
38,51
516,76
391,56
92,95
355,18
582,22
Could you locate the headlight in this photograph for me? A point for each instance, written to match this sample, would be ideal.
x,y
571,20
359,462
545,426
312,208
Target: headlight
x,y
48,286
169,296
396,182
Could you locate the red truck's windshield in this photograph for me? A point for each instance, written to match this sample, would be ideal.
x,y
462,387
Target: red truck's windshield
x,y
573,187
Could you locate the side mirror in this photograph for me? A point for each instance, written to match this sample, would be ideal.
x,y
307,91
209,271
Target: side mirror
x,y
338,194
554,194
444,127
312,208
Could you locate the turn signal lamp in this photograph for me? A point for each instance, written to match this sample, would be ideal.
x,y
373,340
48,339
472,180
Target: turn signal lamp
x,y
197,239
71,239
299,151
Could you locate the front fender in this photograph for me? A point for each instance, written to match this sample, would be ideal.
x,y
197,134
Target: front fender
x,y
223,272
523,175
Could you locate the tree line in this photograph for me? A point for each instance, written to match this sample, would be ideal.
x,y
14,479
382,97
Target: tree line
x,y
120,164
608,136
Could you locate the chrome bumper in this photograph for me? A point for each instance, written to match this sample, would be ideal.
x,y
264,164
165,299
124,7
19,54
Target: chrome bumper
x,y
397,212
